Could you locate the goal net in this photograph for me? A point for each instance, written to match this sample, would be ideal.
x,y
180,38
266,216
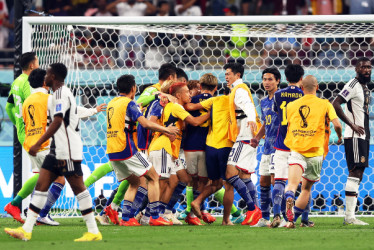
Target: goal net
x,y
99,50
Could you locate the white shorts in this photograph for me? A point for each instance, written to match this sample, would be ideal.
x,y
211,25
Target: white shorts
x,y
145,151
180,163
281,164
137,165
37,161
196,163
243,157
163,162
311,166
267,165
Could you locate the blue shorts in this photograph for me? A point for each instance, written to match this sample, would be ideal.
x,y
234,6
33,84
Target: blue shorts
x,y
216,162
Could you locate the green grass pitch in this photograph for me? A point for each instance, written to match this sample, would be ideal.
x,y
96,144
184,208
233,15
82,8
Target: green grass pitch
x,y
329,233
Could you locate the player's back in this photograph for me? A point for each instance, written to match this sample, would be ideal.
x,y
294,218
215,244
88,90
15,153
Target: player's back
x,y
195,136
35,112
281,99
66,142
122,114
220,117
271,120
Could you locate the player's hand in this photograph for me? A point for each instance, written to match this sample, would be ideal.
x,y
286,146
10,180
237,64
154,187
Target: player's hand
x,y
171,137
172,130
254,143
252,125
340,140
171,98
34,149
358,129
101,107
163,100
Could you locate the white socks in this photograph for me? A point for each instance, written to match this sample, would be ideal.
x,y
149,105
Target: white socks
x,y
85,205
37,203
114,206
351,191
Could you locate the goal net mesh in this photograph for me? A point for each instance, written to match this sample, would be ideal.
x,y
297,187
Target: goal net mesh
x,y
96,55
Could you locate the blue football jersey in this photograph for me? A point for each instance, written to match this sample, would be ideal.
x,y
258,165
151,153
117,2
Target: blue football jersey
x,y
145,135
195,137
270,119
281,99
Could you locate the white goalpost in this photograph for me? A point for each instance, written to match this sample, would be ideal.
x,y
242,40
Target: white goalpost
x,y
97,50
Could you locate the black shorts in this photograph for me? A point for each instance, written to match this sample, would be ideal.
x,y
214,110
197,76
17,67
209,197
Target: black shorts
x,y
356,152
216,162
62,167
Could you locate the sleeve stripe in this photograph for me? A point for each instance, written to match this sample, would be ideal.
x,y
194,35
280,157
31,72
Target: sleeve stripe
x,y
353,83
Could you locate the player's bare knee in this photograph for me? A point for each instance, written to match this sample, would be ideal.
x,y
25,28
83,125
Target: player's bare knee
x,y
61,180
151,175
231,171
265,181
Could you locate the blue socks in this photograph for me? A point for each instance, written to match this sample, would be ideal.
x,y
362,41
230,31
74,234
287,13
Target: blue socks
x,y
298,212
252,190
278,192
289,194
175,197
161,207
265,202
154,209
127,211
305,215
243,191
53,194
139,197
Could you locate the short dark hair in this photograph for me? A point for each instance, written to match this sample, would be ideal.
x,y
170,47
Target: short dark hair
x,y
235,68
180,73
166,70
193,84
36,78
26,59
362,59
294,72
59,70
125,83
273,71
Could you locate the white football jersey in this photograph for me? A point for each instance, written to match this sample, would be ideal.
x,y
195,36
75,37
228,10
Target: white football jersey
x,y
66,142
357,98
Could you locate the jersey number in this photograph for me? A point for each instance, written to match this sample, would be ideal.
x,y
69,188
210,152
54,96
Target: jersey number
x,y
284,115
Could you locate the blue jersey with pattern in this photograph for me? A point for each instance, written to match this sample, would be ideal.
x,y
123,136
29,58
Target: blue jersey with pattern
x,y
195,137
145,135
270,119
281,99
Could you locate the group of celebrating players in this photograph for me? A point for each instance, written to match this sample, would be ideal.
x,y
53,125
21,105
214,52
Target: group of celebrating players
x,y
178,135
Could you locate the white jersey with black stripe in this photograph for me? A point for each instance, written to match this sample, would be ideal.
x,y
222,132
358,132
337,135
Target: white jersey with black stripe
x,y
66,142
357,98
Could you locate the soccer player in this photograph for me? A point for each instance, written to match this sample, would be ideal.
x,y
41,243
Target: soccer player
x,y
217,151
243,125
194,148
128,163
64,158
270,80
356,97
167,71
19,91
308,120
163,151
181,76
294,75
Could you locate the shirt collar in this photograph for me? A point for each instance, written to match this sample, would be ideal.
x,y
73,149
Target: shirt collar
x,y
40,89
237,82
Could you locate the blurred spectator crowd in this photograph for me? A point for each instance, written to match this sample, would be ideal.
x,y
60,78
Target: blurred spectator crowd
x,y
132,44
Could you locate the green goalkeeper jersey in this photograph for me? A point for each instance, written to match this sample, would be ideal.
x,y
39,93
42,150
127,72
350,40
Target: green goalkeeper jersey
x,y
19,91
